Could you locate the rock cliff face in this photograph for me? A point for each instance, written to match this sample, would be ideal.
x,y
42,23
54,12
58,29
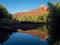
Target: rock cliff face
x,y
35,12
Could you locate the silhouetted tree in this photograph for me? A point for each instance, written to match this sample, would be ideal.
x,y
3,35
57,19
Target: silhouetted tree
x,y
4,13
54,22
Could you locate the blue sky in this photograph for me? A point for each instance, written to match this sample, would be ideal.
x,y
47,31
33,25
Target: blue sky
x,y
14,6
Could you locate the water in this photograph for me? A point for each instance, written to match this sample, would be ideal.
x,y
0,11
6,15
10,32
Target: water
x,y
24,39
20,38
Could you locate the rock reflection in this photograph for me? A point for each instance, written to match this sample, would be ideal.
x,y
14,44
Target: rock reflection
x,y
35,32
29,28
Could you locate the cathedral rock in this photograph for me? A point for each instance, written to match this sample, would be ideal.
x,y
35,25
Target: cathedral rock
x,y
35,12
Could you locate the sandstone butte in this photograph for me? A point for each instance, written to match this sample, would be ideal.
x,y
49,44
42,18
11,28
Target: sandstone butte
x,y
35,12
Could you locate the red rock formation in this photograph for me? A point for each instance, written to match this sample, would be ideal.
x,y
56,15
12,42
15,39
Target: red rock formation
x,y
35,12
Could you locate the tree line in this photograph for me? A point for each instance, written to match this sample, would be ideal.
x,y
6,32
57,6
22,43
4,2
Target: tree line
x,y
40,18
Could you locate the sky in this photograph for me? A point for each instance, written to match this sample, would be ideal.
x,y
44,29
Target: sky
x,y
14,6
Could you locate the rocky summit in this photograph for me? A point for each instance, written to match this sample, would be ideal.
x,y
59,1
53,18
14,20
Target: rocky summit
x,y
35,12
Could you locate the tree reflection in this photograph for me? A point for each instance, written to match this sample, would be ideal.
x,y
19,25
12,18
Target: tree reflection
x,y
4,35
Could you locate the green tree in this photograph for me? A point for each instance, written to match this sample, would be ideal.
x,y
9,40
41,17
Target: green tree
x,y
54,21
33,18
4,13
42,18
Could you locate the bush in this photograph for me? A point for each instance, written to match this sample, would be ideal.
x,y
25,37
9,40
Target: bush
x,y
40,18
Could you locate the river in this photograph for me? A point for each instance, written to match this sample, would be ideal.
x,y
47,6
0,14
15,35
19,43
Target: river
x,y
29,37
24,39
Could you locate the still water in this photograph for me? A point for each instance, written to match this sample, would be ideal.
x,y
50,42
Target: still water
x,y
24,39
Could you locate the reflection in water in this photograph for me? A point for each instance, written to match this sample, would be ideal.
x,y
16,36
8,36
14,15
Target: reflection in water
x,y
55,34
24,39
41,32
28,37
4,36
